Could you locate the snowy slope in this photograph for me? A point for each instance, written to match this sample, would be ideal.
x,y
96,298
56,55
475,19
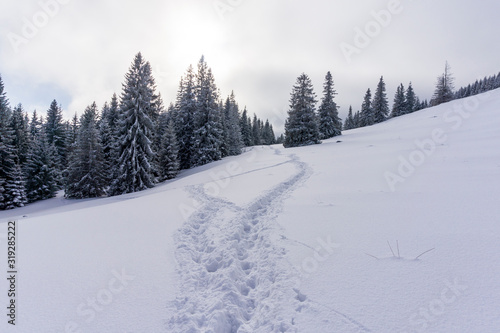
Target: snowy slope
x,y
284,240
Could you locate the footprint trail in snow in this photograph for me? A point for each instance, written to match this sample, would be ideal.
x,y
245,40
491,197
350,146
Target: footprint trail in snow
x,y
234,274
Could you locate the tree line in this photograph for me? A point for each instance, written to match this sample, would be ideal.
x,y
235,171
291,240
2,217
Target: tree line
x,y
134,142
306,125
131,144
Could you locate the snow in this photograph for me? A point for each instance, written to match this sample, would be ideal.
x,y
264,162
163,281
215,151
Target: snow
x,y
283,240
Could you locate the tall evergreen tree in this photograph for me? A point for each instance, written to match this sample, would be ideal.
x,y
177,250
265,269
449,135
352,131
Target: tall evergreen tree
x,y
399,107
444,87
357,119
268,136
330,124
135,170
55,132
380,105
41,169
367,116
246,128
169,162
35,125
110,137
256,131
411,100
208,133
86,171
301,127
349,121
21,136
185,110
234,141
11,182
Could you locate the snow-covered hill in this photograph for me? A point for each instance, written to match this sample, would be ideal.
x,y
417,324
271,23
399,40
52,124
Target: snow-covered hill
x,y
283,240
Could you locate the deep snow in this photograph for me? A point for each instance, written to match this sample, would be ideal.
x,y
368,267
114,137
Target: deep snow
x,y
284,240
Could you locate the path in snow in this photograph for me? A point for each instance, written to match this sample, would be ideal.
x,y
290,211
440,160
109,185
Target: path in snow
x,y
234,274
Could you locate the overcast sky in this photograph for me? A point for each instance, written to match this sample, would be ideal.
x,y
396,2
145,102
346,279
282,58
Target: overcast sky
x,y
79,51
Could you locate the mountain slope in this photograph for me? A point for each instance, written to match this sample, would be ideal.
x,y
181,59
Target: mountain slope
x,y
284,240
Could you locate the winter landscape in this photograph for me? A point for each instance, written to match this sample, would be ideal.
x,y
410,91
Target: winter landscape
x,y
197,207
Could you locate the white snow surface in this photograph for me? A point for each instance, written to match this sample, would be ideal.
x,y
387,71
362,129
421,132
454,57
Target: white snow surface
x,y
283,240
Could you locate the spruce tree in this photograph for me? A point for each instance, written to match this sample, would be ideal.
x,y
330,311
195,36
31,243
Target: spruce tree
x,y
135,170
380,105
256,131
330,124
366,116
399,107
246,129
35,125
169,162
349,121
20,129
10,183
55,132
411,100
208,131
185,110
86,171
72,135
357,119
233,137
41,169
444,87
301,127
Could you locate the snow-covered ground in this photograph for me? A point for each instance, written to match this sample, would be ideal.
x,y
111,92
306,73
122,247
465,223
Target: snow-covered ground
x,y
283,240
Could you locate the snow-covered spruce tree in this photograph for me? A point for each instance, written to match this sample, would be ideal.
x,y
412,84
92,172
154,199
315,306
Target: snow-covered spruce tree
x,y
72,135
399,106
444,87
208,132
56,135
41,169
20,131
268,136
11,180
357,119
256,131
169,162
185,109
330,124
35,125
234,142
113,116
246,128
108,145
349,121
301,127
135,170
366,116
110,137
411,100
86,178
380,104
157,108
